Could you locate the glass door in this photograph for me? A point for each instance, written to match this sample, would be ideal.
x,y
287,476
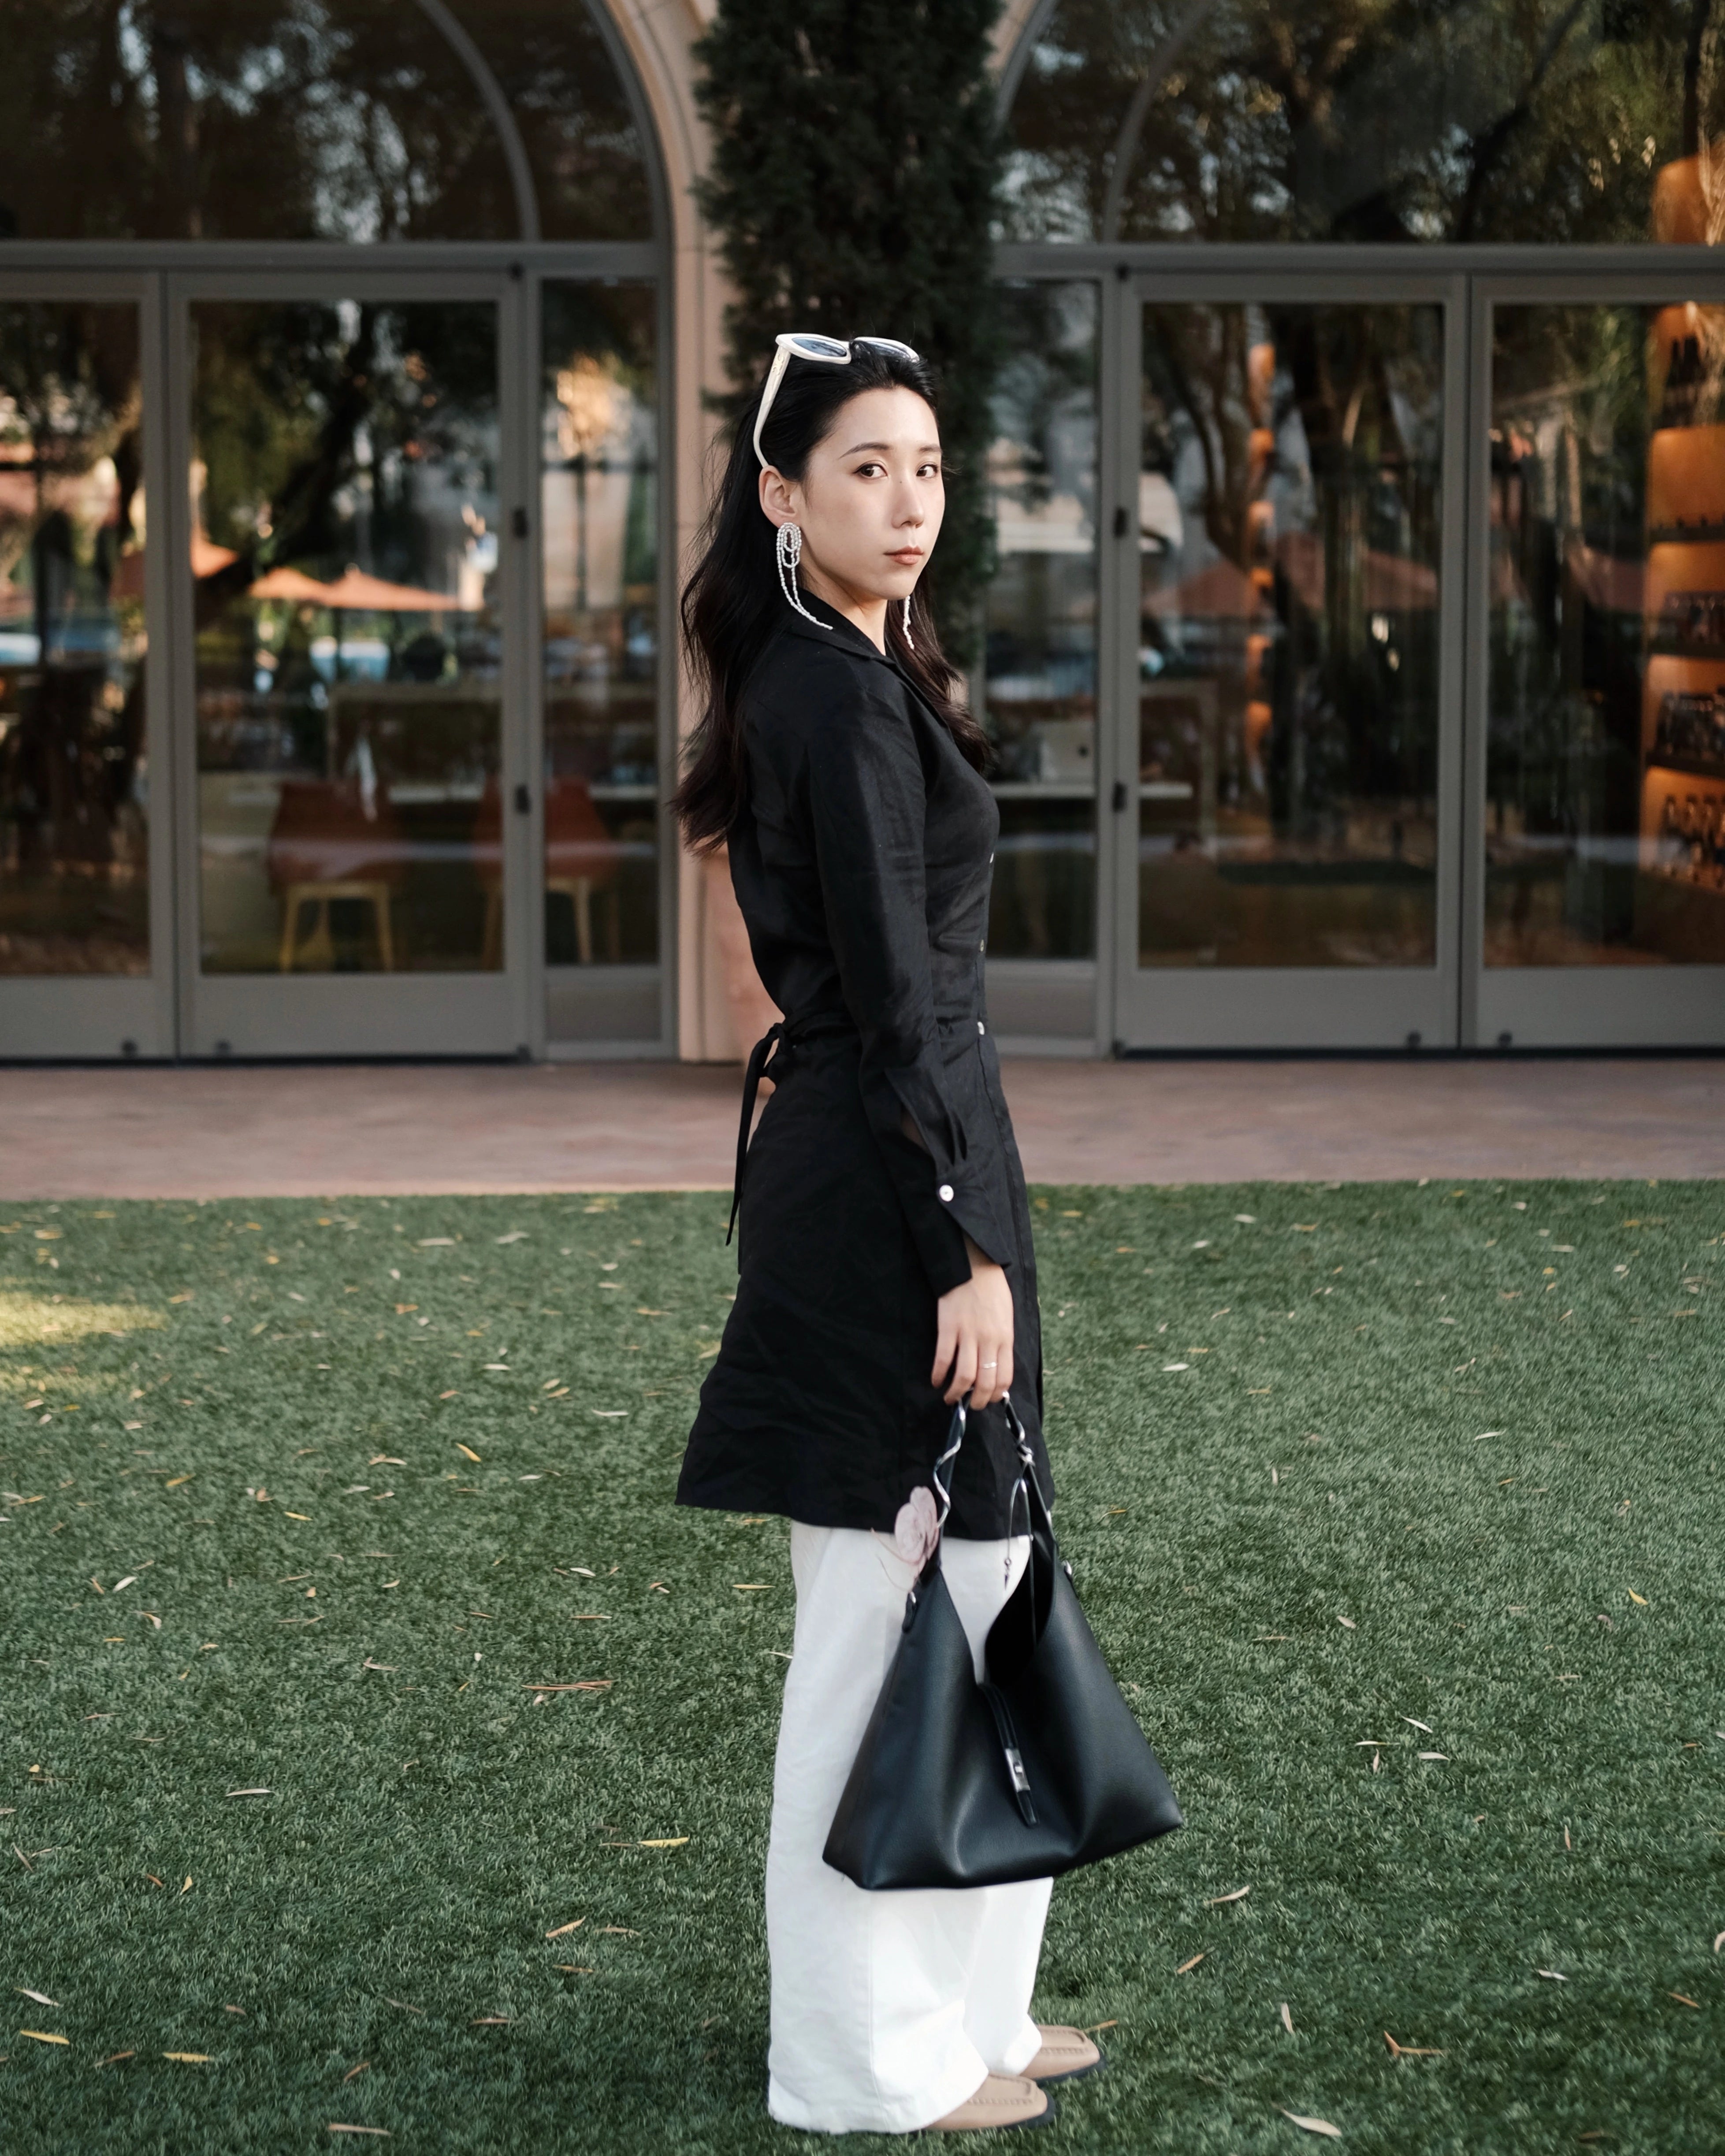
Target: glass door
x,y
356,795
86,898
1286,751
1599,679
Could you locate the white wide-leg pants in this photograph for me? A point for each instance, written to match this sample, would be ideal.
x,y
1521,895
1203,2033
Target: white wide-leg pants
x,y
888,2008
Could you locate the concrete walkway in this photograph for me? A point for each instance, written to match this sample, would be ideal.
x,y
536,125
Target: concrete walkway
x,y
330,1130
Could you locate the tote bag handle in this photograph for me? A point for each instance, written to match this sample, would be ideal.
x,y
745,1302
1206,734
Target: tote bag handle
x,y
1020,1491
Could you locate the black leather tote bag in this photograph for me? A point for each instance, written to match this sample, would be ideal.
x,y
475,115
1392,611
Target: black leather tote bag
x,y
1039,1768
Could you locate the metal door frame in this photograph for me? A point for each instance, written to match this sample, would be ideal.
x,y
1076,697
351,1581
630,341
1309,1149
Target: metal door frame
x,y
275,1014
1281,1007
117,1014
1594,1007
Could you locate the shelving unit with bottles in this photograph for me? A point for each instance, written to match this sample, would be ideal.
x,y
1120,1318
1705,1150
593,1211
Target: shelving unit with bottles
x,y
1682,820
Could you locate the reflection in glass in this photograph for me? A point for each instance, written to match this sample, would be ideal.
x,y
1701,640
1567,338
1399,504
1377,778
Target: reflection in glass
x,y
1288,522
552,62
1605,765
1477,119
341,120
348,707
599,515
1039,687
74,836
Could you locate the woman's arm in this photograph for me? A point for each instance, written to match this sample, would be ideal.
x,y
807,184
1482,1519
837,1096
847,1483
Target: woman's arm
x,y
974,1339
867,798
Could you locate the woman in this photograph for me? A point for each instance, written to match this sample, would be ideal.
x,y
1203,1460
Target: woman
x,y
885,1264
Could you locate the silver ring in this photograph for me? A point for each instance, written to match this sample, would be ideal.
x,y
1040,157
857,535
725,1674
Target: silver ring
x,y
991,1363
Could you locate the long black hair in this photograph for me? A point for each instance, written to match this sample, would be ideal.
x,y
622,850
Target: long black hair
x,y
733,603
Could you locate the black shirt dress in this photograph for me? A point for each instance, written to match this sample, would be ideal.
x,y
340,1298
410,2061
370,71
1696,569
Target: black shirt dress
x,y
861,863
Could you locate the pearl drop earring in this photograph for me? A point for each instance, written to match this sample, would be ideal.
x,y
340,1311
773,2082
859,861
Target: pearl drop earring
x,y
789,549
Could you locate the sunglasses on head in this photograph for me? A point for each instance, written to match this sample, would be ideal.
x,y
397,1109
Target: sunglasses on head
x,y
826,351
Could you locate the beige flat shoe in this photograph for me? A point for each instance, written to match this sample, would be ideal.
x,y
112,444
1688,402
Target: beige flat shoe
x,y
1065,2053
1002,2100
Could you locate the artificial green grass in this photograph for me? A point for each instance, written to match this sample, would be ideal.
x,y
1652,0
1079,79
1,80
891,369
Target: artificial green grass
x,y
1540,1604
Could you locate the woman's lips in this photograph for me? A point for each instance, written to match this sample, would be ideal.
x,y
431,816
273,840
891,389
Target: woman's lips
x,y
907,555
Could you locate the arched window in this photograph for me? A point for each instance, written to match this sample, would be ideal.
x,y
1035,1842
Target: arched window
x,y
1561,121
355,121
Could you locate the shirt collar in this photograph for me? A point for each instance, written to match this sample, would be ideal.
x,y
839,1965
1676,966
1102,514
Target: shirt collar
x,y
838,631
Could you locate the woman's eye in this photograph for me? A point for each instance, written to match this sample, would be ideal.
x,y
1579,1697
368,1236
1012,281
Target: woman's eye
x,y
863,471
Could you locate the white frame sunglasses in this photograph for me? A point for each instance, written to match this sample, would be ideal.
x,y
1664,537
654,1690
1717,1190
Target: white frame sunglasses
x,y
824,352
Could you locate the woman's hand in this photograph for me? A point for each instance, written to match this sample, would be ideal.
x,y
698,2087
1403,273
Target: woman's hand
x,y
974,1340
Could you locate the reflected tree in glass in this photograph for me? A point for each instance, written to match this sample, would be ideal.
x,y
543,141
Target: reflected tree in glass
x,y
1290,520
1605,772
348,651
1037,689
343,119
1367,120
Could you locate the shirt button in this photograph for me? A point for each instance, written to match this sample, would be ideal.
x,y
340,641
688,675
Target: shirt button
x,y
947,1193
991,857
980,1027
983,945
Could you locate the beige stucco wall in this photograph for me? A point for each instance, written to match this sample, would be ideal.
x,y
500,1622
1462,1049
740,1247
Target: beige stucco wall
x,y
722,1007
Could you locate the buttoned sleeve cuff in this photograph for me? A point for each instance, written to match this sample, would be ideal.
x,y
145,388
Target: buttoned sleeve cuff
x,y
942,1197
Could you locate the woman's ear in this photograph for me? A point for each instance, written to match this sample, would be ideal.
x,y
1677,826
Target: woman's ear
x,y
778,497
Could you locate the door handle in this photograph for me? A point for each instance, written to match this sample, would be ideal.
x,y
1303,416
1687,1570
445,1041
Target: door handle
x,y
523,801
1119,796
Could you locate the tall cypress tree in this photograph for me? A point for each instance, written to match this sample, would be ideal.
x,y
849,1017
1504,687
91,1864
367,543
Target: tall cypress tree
x,y
855,164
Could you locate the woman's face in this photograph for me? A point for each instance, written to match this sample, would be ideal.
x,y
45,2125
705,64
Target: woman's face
x,y
869,501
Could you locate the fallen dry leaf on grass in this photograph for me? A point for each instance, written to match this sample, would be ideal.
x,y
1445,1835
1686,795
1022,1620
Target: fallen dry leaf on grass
x,y
1239,1894
41,1998
190,2058
581,1684
45,2036
336,2126
574,1925
1186,1965
1409,2051
1311,2125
